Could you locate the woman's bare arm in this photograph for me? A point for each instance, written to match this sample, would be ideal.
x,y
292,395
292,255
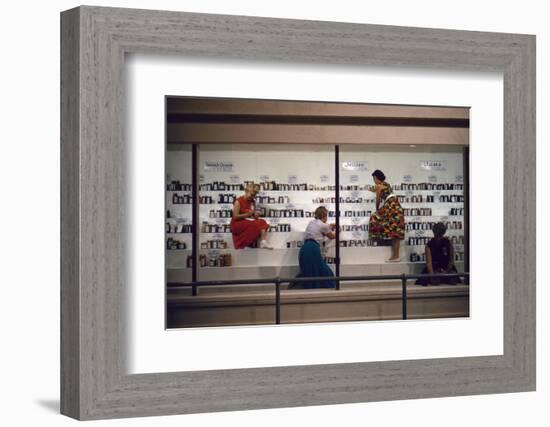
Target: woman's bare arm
x,y
451,257
331,234
429,264
237,210
378,190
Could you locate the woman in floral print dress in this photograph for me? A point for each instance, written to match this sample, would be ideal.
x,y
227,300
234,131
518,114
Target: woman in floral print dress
x,y
388,222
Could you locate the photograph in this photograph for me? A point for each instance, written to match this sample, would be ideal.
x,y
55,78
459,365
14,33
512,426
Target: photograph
x,y
275,214
289,212
302,211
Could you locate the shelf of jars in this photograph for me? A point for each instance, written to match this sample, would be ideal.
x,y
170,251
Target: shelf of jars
x,y
225,258
354,197
274,186
178,225
289,213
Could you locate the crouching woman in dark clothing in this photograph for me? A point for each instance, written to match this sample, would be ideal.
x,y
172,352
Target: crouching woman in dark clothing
x,y
310,258
440,257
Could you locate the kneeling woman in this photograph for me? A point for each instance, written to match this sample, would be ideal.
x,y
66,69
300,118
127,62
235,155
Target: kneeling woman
x,y
311,261
440,256
246,226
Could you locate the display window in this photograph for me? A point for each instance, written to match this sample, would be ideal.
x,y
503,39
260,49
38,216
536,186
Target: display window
x,y
428,183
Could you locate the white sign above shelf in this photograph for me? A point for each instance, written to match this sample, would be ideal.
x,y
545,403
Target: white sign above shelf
x,y
433,165
218,166
355,165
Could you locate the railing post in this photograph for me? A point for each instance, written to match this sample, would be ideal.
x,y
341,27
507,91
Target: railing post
x,y
278,301
404,296
337,211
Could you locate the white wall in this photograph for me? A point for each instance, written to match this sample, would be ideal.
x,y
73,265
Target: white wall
x,y
29,165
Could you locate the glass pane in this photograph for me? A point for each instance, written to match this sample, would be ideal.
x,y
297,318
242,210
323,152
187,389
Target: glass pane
x,y
292,180
427,182
178,213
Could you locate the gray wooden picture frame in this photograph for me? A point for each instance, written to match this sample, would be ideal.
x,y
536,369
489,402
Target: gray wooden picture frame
x,y
94,382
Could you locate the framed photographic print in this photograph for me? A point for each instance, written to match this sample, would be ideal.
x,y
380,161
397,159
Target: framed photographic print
x,y
320,202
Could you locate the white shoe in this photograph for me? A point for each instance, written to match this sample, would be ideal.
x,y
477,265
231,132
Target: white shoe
x,y
394,260
265,245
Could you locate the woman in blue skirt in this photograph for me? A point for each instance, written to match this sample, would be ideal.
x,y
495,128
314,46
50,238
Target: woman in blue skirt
x,y
311,261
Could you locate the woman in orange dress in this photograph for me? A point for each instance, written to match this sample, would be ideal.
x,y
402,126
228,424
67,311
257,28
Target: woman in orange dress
x,y
246,226
388,222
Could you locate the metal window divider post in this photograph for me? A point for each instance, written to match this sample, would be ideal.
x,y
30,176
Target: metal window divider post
x,y
337,210
277,300
195,194
404,296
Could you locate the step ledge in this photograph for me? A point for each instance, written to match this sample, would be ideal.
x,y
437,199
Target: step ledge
x,y
301,296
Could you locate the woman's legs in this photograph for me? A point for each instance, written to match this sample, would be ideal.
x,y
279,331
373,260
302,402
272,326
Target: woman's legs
x,y
247,232
262,240
395,244
312,265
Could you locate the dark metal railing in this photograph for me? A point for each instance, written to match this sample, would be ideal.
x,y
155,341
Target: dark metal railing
x,y
277,281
